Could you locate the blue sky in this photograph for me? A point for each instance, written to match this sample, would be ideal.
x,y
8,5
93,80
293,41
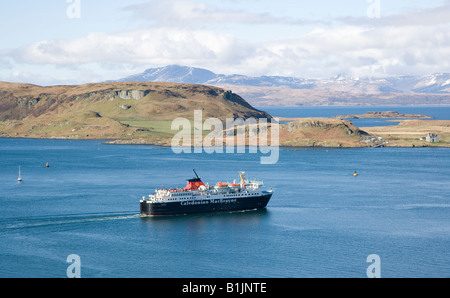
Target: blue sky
x,y
79,41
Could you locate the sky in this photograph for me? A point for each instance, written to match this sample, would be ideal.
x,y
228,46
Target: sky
x,y
53,42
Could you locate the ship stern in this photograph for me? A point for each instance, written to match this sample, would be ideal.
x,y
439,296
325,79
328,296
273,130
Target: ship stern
x,y
144,208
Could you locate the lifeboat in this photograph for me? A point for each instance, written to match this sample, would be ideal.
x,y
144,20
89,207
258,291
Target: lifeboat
x,y
235,186
221,187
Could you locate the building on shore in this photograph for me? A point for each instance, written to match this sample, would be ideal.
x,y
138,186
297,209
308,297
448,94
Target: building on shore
x,y
432,138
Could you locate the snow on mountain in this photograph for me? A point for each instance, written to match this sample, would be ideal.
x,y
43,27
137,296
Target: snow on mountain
x,y
173,74
435,83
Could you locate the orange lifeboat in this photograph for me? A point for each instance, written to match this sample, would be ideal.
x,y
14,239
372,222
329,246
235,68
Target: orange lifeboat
x,y
235,186
221,187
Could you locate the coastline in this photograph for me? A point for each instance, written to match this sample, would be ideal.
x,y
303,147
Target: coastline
x,y
145,142
295,132
131,143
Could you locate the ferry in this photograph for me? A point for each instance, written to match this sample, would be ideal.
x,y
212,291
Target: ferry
x,y
197,197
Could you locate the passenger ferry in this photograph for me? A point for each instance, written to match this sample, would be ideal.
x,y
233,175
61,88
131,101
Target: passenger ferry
x,y
197,197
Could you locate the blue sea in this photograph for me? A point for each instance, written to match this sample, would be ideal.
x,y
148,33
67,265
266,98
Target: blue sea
x,y
321,221
437,112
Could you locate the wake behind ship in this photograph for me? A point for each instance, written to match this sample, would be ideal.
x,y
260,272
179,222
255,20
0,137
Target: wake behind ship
x,y
197,197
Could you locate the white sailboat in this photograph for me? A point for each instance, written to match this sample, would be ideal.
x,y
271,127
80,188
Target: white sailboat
x,y
20,177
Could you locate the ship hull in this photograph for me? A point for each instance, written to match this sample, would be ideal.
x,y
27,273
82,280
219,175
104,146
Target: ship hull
x,y
204,206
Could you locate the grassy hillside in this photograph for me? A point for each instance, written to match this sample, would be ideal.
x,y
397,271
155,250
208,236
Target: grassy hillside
x,y
321,132
409,132
112,110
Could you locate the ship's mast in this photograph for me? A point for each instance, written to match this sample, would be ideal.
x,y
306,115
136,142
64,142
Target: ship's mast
x,y
196,174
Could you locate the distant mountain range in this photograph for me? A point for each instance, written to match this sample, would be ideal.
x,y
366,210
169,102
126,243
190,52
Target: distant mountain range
x,y
293,91
438,83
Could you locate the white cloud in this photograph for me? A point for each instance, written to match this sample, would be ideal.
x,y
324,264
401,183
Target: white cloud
x,y
187,12
358,51
321,53
394,45
141,46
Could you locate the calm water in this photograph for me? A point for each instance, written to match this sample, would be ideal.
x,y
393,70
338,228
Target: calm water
x,y
321,222
437,112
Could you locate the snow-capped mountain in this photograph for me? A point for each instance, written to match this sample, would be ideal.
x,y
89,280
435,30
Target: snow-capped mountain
x,y
172,74
435,83
192,75
431,84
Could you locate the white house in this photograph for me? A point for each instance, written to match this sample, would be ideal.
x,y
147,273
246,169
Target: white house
x,y
432,138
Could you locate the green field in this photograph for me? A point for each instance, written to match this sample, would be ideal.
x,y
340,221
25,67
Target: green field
x,y
162,128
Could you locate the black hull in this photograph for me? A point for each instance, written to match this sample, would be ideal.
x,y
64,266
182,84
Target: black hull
x,y
204,206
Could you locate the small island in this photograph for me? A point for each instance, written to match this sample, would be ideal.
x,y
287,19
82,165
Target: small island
x,y
383,115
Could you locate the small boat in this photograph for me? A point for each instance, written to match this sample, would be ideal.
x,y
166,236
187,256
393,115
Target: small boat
x,y
355,174
20,177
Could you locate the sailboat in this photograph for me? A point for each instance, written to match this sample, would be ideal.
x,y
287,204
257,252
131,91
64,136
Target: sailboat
x,y
20,177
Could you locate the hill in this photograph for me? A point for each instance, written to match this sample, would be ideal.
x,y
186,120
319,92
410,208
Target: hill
x,y
310,132
112,110
321,132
